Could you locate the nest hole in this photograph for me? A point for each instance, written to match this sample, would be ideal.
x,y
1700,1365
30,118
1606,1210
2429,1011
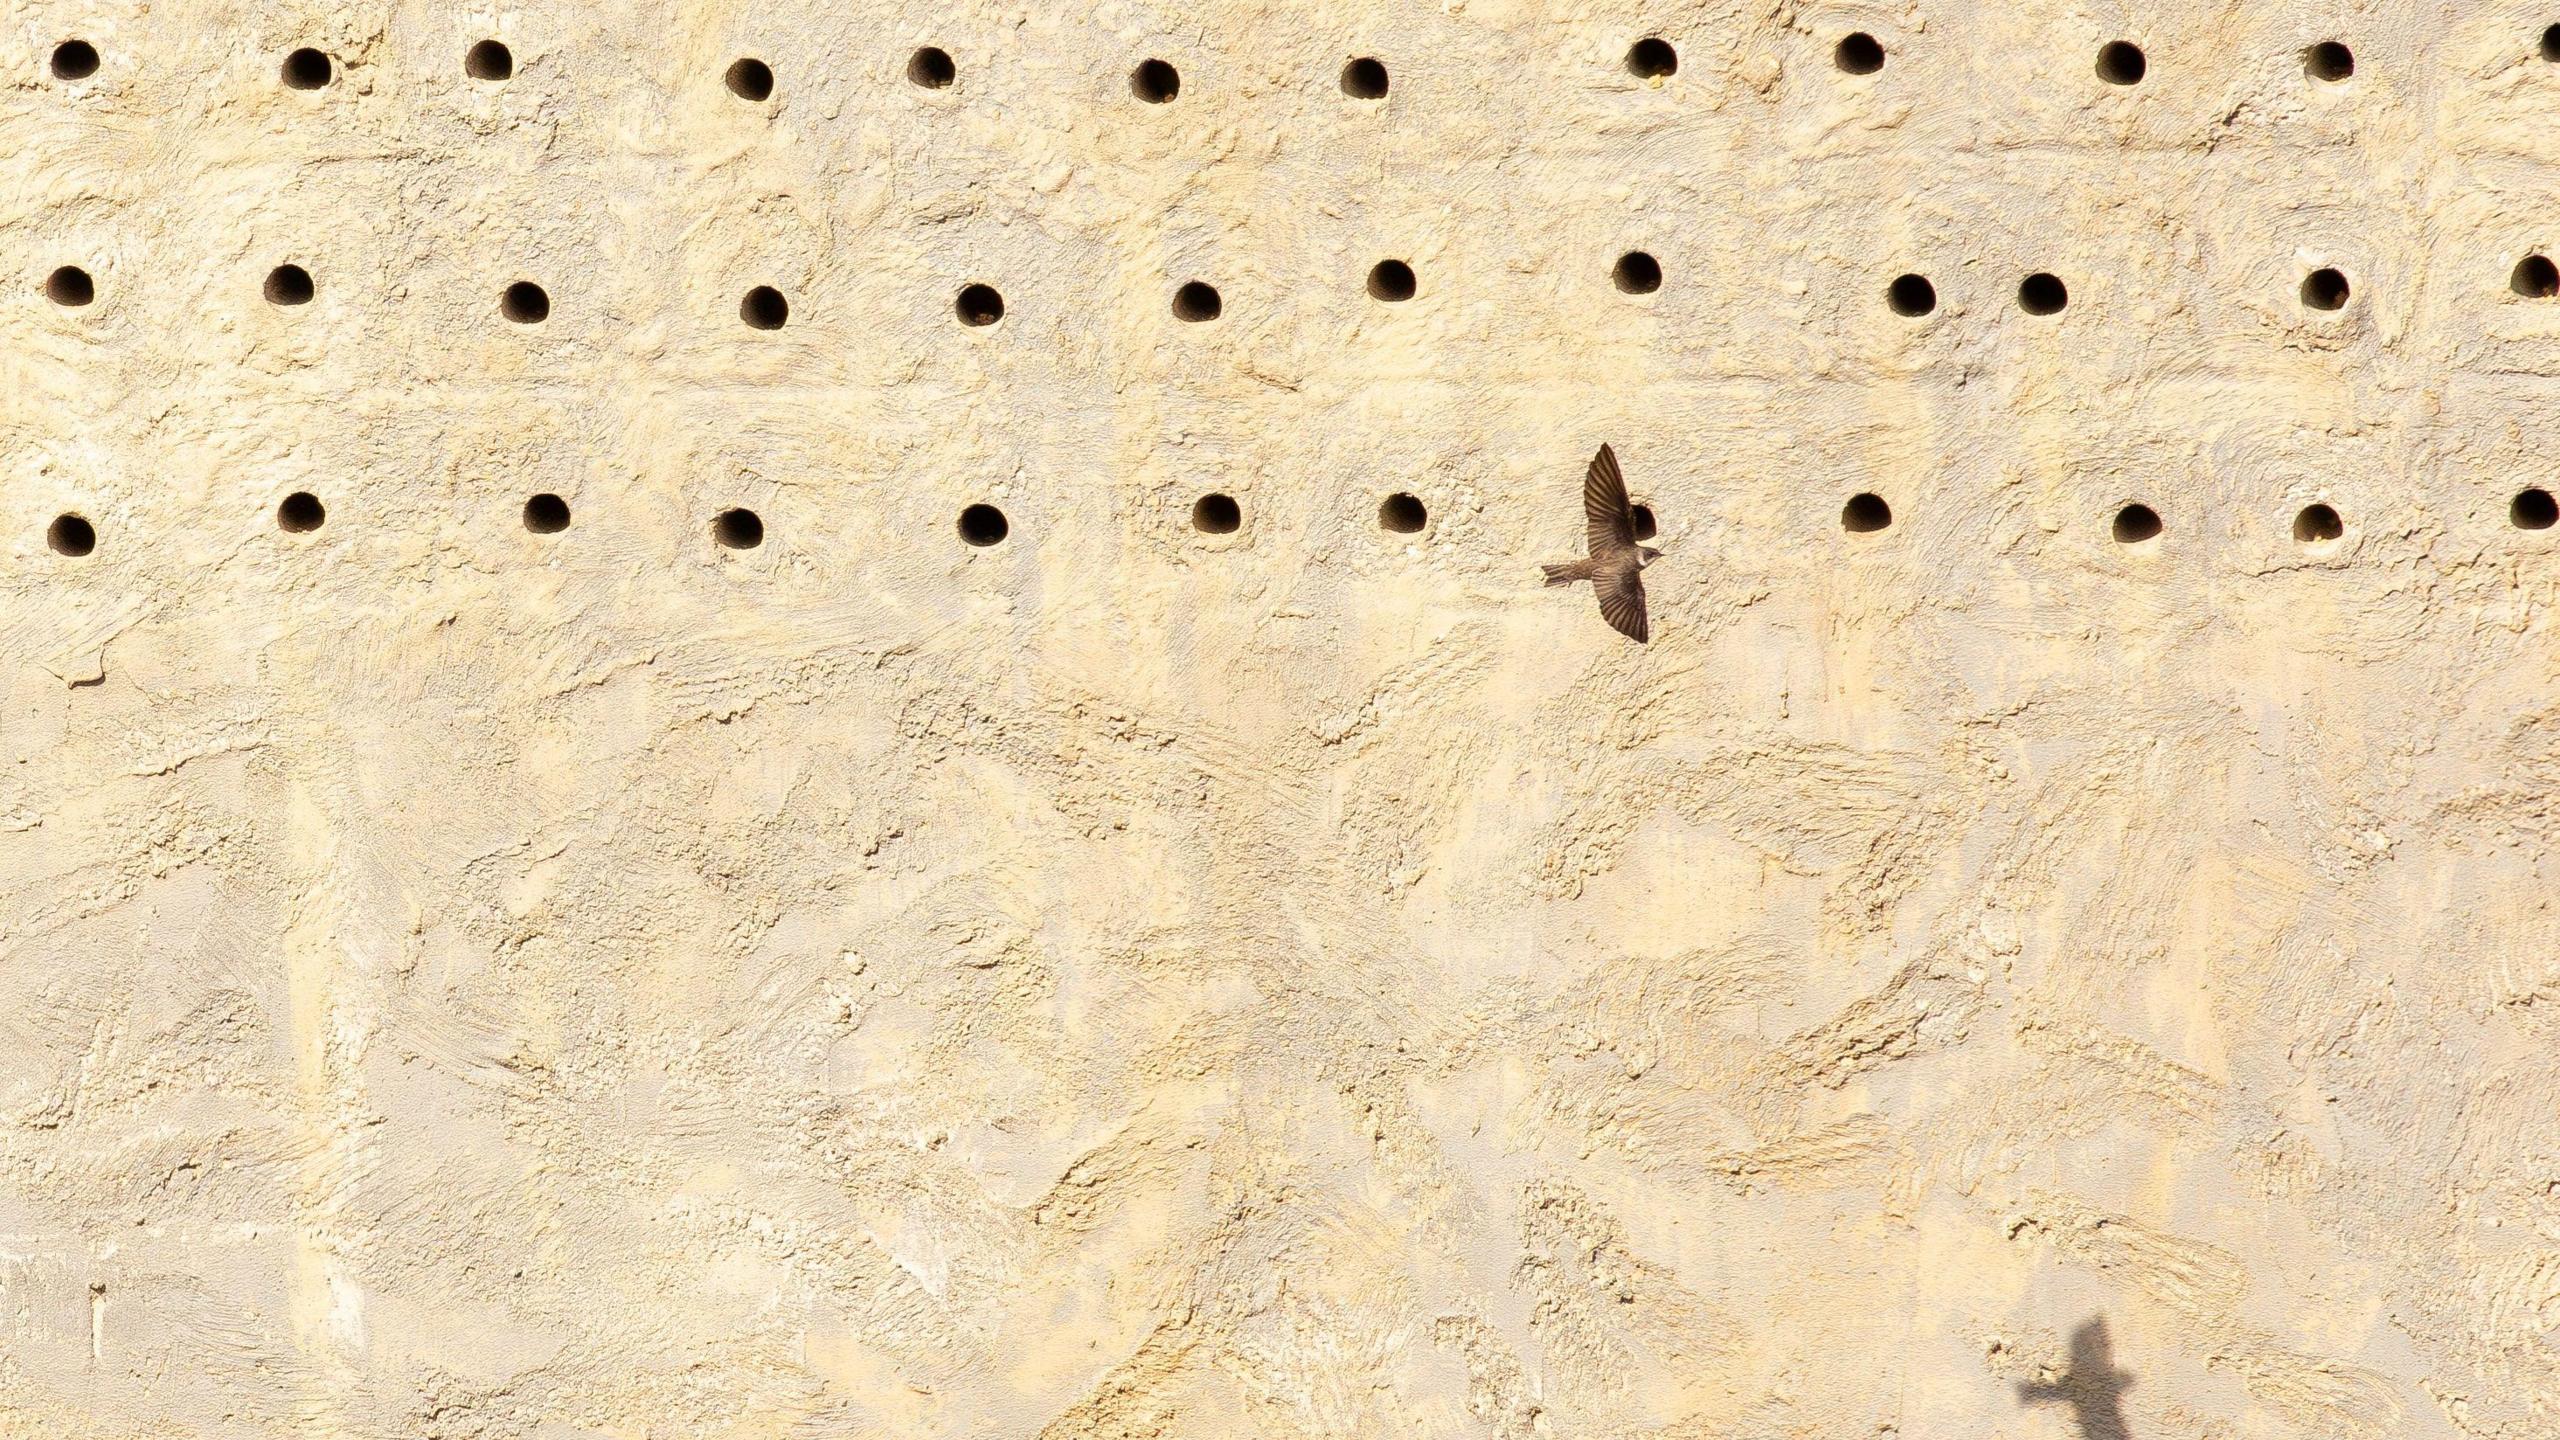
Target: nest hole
x,y
1911,295
2325,289
763,308
546,514
1865,514
2329,61
1215,514
1858,54
2043,294
525,303
931,68
2121,62
1391,281
1637,273
750,79
1365,79
738,529
489,60
1402,514
2135,524
70,286
2535,278
1646,528
2533,509
978,305
307,69
290,285
1156,82
75,60
2318,525
1652,58
71,535
984,525
1197,302
300,513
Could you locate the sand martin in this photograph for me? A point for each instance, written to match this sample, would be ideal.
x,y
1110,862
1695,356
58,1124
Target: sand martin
x,y
1616,566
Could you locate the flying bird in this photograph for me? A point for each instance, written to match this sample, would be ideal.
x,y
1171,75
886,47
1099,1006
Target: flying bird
x,y
1616,566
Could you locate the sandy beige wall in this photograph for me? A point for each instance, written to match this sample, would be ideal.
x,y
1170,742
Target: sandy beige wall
x,y
1972,980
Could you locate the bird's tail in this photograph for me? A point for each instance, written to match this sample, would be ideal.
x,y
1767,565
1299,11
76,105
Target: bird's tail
x,y
1568,572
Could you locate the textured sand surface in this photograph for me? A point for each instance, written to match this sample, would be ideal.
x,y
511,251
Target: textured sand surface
x,y
1968,980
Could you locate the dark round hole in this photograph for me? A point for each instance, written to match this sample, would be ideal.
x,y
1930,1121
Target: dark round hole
x,y
983,525
289,285
1859,54
71,535
1402,513
2318,524
979,305
2533,509
489,60
1911,295
525,303
2329,61
75,60
546,514
1216,515
301,512
1865,514
931,68
2120,62
1391,281
2043,294
2551,43
1155,82
1364,79
2135,524
738,529
1646,529
1196,302
307,69
70,286
2535,278
751,79
2324,290
764,308
1652,58
1637,273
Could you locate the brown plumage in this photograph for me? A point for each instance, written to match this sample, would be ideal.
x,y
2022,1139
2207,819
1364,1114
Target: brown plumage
x,y
1616,564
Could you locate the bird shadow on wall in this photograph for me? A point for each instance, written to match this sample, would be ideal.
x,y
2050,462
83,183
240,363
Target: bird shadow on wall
x,y
2093,1387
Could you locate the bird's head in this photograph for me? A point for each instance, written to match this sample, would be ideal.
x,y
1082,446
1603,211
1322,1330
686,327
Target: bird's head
x,y
1646,555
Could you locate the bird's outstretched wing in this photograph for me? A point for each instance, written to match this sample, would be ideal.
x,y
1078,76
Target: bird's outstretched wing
x,y
1611,520
1622,603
